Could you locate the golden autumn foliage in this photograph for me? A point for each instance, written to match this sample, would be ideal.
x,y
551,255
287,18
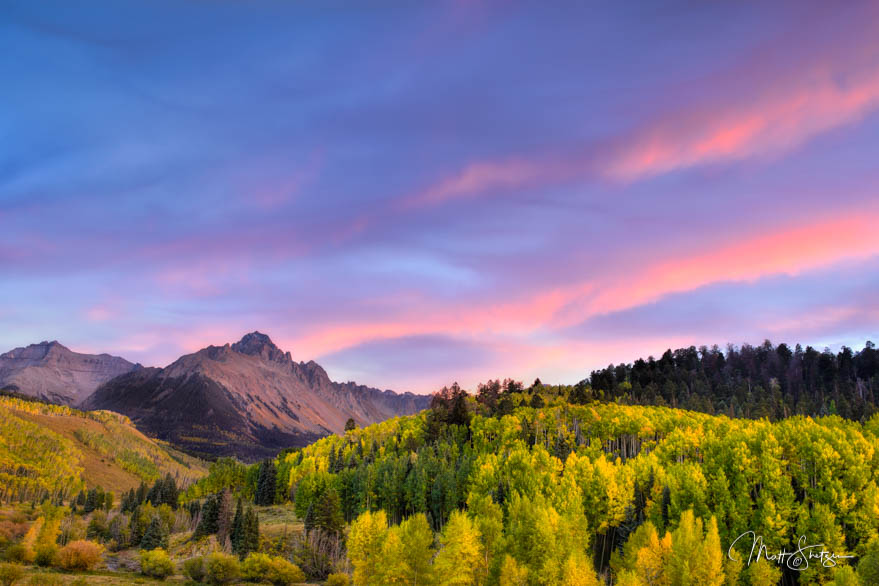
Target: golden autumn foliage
x,y
46,451
651,495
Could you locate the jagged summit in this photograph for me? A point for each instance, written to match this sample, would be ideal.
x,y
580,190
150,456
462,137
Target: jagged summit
x,y
258,344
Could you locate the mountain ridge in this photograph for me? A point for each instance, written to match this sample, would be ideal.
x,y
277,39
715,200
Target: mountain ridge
x,y
52,372
248,399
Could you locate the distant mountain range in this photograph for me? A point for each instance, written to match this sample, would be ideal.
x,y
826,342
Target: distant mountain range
x,y
52,372
248,399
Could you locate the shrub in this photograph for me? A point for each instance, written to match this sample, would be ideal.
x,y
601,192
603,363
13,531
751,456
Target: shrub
x,y
256,567
16,552
318,554
10,574
283,573
194,569
222,568
11,530
44,554
156,563
337,580
79,555
98,527
259,567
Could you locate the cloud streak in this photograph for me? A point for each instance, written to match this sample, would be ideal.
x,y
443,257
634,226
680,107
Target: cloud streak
x,y
782,120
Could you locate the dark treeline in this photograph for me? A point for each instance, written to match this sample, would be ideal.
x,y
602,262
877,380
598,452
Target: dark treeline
x,y
751,381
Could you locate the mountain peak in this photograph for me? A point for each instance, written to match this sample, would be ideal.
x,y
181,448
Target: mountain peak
x,y
259,344
54,345
51,371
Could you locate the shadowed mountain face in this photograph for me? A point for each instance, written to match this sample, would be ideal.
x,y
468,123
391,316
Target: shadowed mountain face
x,y
54,373
247,399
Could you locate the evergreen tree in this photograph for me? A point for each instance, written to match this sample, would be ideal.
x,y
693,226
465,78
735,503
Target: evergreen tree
x,y
331,463
666,503
250,539
194,510
265,485
154,496
91,501
309,518
350,425
328,513
209,515
154,536
238,529
140,495
168,493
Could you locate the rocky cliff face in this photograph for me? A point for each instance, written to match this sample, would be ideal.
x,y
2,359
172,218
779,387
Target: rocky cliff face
x,y
247,399
52,372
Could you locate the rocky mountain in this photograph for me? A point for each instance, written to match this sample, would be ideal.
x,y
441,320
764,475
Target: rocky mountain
x,y
54,373
247,399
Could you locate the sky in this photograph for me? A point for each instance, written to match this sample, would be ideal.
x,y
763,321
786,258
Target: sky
x,y
415,193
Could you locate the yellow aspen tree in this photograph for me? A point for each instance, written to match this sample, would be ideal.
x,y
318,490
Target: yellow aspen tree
x,y
392,565
578,571
513,573
686,542
763,573
365,543
708,566
460,555
652,559
416,540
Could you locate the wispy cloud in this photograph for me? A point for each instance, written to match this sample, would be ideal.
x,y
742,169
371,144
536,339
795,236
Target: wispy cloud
x,y
476,179
773,123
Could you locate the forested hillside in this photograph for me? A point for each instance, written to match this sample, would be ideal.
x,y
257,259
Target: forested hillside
x,y
528,488
762,381
50,451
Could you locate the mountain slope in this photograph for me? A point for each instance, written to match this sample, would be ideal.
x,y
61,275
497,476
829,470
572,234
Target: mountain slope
x,y
52,372
247,399
575,481
55,450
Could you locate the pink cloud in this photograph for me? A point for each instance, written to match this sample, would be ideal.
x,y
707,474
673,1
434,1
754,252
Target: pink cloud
x,y
507,318
281,187
475,179
781,119
100,313
779,115
791,249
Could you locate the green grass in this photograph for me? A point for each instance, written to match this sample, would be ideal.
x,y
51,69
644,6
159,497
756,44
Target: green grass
x,y
278,520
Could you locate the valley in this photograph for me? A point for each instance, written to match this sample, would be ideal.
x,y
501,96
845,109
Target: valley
x,y
504,484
